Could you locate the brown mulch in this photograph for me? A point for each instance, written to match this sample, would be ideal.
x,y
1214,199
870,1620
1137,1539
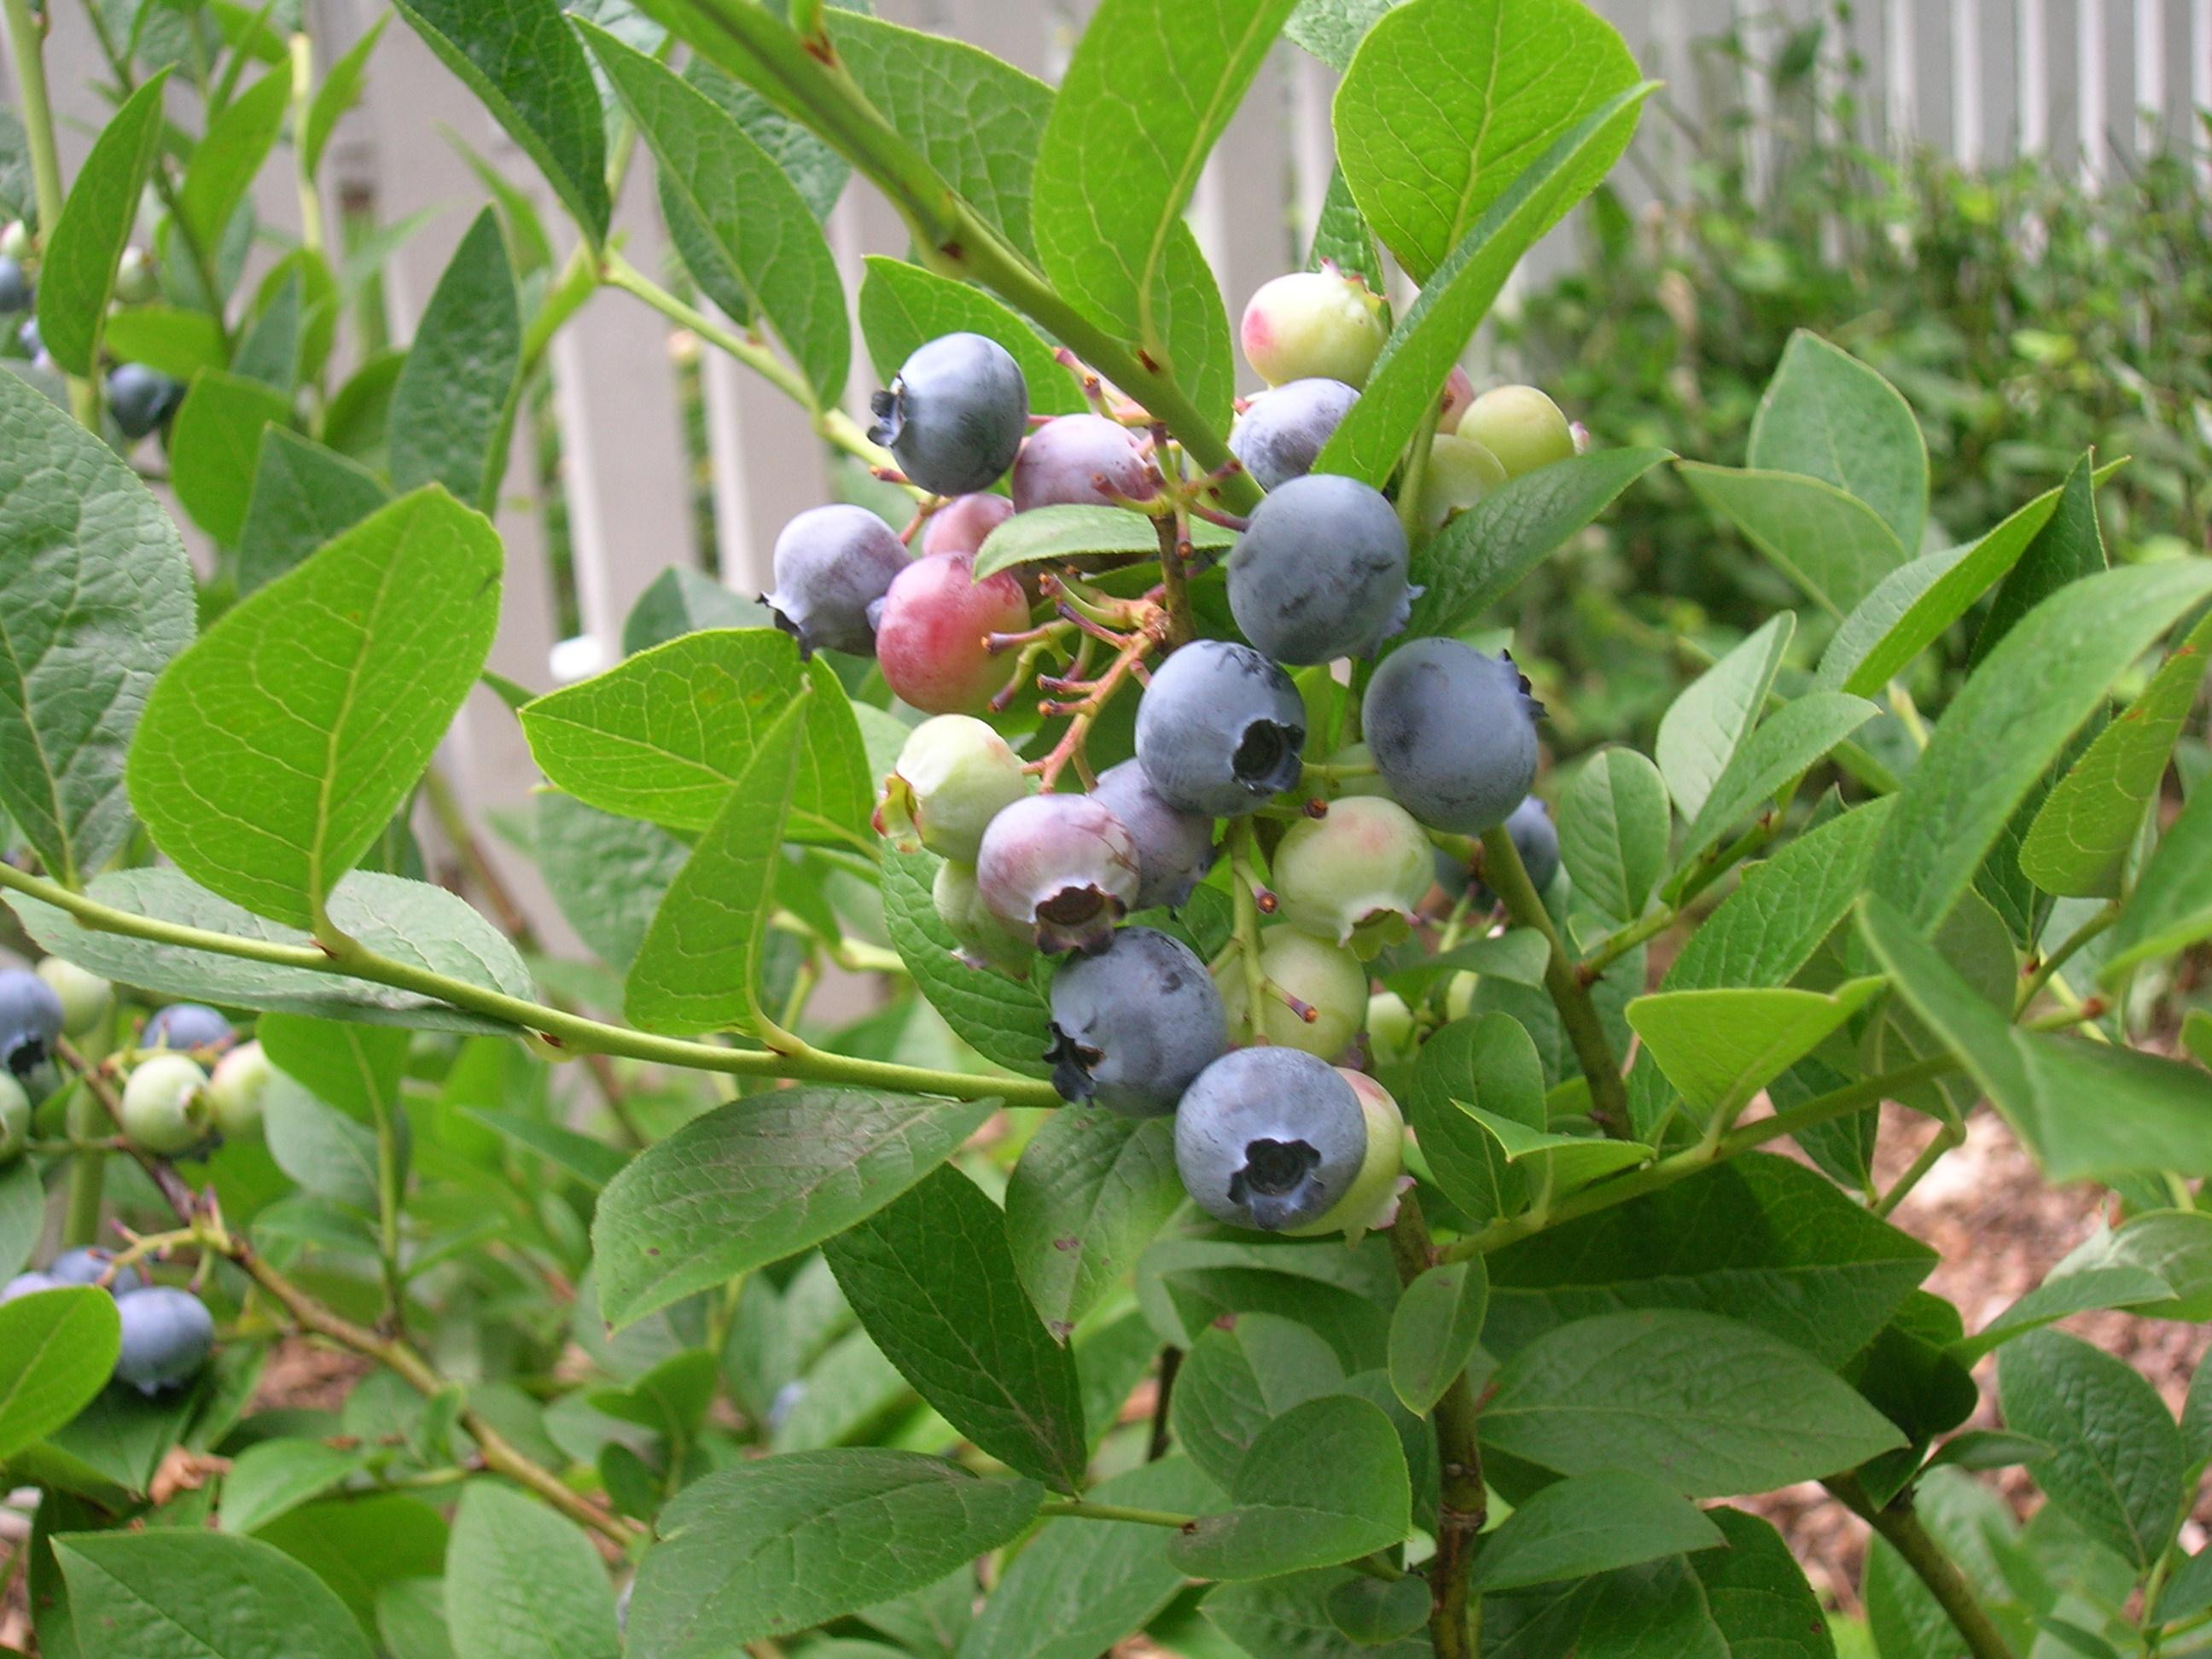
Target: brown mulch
x,y
1999,1229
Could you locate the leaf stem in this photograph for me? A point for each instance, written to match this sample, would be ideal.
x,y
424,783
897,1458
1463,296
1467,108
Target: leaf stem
x,y
1463,1502
1901,1527
2048,967
558,1027
1946,1138
1084,1509
1507,877
27,46
1245,926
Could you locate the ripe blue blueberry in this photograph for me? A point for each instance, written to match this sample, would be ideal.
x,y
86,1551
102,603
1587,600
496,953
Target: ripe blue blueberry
x,y
1061,865
1284,428
1314,994
953,777
141,398
165,1109
28,340
14,1120
28,1285
30,1021
1220,730
832,566
1134,1024
1269,1138
167,1334
1453,733
955,414
1320,572
1357,877
14,286
1175,848
191,1026
89,1267
1082,460
985,940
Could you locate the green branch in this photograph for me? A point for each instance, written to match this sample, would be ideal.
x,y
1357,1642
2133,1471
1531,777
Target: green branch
x,y
26,41
559,1027
1901,1527
1508,877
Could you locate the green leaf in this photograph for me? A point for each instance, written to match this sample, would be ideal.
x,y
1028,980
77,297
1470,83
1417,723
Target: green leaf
x,y
1323,1483
214,445
1291,1617
1781,748
591,1162
175,1593
976,120
1613,829
410,1618
1559,1162
1590,1523
932,1279
359,1544
2116,1461
2171,907
340,91
1478,558
2011,720
274,1477
699,967
523,1583
98,598
1340,236
758,1180
1908,609
1720,1047
666,735
179,343
22,1214
1709,1405
870,1525
1004,1020
1238,1377
1832,545
2174,1245
520,59
223,163
1827,415
1333,29
1053,534
2088,824
411,921
1087,1195
1421,352
1492,1062
58,1349
1373,1611
745,233
1707,723
455,402
1519,955
1121,154
77,268
2065,1292
277,749
903,306
1760,1239
304,496
1765,931
2068,548
1081,1586
1448,101
1434,1330
607,874
819,172
680,601
1750,1599
2152,1113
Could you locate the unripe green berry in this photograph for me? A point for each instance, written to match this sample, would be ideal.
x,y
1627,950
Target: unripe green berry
x,y
1460,473
166,1109
1313,324
238,1093
1303,975
14,1119
953,777
135,284
1390,1028
1357,876
985,941
86,997
1370,1203
1522,427
15,241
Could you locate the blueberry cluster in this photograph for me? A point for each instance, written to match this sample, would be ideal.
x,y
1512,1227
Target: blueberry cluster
x,y
167,1333
140,399
1277,1135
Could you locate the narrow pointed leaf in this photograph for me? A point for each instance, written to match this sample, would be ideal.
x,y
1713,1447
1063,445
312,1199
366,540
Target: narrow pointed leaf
x,y
58,1349
1832,545
77,273
1721,1048
1434,1330
172,1590
454,403
1088,1193
1323,1483
1707,723
1826,414
1590,1523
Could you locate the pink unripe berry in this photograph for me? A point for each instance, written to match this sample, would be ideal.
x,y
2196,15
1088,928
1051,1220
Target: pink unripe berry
x,y
962,525
932,637
1313,323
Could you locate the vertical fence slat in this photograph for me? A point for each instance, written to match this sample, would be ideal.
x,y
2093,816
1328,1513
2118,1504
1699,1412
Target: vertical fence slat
x,y
1967,132
2034,79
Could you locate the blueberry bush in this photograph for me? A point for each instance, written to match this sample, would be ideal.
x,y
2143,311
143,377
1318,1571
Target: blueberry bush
x,y
1321,1173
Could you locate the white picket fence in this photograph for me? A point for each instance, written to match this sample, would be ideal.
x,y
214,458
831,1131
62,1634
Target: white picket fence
x,y
2085,82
